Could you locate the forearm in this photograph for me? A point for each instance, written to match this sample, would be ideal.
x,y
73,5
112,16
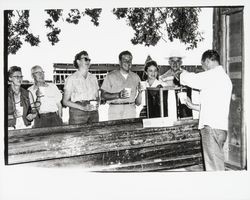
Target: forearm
x,y
194,106
138,99
59,106
110,96
71,104
10,116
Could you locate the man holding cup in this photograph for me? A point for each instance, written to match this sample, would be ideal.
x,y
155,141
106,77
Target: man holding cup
x,y
48,100
215,90
121,89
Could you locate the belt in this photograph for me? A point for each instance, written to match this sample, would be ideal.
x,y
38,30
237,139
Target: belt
x,y
49,113
122,103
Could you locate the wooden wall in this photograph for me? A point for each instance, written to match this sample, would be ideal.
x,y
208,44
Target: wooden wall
x,y
121,145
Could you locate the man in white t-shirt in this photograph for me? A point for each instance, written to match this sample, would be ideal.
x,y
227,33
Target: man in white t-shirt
x,y
48,100
215,95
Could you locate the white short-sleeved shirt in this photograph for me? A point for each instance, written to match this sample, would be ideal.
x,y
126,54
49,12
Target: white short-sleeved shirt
x,y
215,95
52,96
80,88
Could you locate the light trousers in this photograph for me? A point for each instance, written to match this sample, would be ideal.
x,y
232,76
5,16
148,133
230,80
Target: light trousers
x,y
125,111
213,141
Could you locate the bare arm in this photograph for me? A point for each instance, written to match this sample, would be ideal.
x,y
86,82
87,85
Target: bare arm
x,y
69,103
111,96
59,106
192,105
33,113
138,99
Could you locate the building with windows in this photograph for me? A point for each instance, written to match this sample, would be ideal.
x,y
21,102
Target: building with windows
x,y
63,70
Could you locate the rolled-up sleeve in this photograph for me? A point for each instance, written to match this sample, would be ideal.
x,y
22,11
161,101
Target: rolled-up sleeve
x,y
106,85
58,94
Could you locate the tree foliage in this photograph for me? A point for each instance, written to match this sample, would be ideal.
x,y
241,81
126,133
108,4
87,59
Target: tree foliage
x,y
149,25
152,24
18,31
18,26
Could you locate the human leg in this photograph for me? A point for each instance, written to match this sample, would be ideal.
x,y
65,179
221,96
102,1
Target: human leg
x,y
212,144
93,117
77,116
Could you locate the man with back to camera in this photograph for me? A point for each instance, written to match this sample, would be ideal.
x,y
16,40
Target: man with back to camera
x,y
121,89
215,95
48,100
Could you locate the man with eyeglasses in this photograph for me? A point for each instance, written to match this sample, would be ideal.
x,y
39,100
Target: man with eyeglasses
x,y
121,88
81,92
48,100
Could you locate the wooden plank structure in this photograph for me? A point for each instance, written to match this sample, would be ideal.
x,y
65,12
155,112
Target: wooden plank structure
x,y
122,145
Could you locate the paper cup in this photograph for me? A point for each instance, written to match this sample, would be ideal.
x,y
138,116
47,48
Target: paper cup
x,y
143,85
128,90
93,103
182,96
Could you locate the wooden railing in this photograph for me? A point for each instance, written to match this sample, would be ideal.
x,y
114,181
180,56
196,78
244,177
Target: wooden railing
x,y
122,145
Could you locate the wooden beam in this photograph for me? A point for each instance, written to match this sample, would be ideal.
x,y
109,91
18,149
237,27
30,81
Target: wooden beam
x,y
106,145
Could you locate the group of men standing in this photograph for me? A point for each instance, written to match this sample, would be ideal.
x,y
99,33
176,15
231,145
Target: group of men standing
x,y
122,90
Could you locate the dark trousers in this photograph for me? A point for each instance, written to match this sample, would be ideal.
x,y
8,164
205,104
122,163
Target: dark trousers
x,y
77,116
47,120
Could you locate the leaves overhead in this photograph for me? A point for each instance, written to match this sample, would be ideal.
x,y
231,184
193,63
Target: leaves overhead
x,y
18,30
149,25
152,24
18,26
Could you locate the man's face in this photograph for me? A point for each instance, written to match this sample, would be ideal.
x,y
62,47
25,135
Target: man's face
x,y
175,63
38,75
126,62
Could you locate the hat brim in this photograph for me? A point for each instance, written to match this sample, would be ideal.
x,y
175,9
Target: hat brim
x,y
167,58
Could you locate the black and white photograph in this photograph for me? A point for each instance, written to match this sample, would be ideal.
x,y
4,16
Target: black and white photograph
x,y
124,100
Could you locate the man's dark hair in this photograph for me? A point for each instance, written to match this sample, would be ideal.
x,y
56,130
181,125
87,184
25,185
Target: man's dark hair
x,y
212,55
14,69
124,53
78,57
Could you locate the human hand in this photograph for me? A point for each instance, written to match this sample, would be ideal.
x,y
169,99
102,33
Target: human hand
x,y
17,114
177,74
95,104
39,92
124,94
89,107
188,102
31,116
140,87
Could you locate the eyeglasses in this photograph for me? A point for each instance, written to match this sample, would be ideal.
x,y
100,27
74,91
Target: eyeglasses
x,y
126,60
86,59
39,72
18,77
